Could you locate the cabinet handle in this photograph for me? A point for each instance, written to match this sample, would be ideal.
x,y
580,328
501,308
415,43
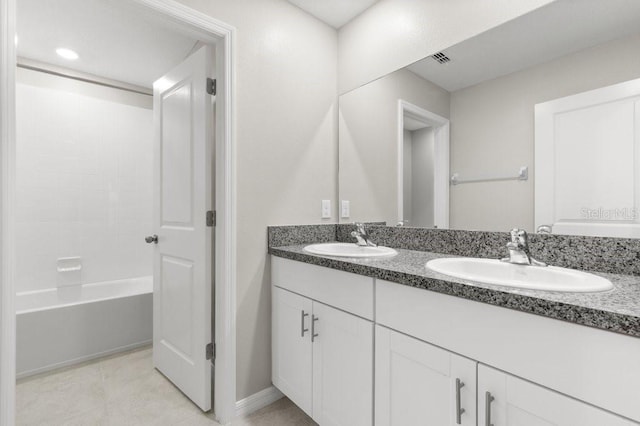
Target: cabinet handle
x,y
459,411
302,329
313,327
488,399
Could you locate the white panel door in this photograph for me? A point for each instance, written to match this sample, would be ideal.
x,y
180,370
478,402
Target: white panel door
x,y
342,368
182,291
421,384
587,156
291,346
505,400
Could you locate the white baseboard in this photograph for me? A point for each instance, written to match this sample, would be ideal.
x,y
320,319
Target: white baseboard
x,y
258,400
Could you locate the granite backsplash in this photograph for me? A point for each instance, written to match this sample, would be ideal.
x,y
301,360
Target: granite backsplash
x,y
601,254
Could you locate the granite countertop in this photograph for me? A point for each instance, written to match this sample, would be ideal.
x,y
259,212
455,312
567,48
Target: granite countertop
x,y
616,310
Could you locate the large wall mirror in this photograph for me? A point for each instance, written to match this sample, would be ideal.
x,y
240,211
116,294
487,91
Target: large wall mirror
x,y
457,139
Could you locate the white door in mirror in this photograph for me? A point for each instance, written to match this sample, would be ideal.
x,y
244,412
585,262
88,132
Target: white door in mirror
x,y
349,250
568,195
496,272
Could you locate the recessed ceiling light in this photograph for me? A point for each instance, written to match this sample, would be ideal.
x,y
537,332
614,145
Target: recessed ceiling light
x,y
67,53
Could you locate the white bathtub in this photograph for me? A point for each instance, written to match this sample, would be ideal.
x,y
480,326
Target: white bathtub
x,y
67,325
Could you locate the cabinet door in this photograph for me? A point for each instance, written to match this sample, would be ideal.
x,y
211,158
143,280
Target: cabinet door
x,y
291,340
421,384
342,368
505,400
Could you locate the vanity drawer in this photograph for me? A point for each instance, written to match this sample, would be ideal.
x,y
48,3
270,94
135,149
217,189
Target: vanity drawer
x,y
343,290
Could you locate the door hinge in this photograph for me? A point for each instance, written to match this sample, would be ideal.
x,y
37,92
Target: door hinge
x,y
211,351
211,86
211,218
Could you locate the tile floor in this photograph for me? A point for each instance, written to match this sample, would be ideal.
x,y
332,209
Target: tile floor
x,y
125,390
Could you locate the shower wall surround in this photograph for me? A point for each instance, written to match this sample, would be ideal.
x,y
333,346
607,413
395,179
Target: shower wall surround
x,y
84,181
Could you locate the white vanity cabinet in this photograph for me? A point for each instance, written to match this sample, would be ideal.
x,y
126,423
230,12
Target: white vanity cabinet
x,y
558,372
436,355
421,384
292,350
505,400
323,356
342,368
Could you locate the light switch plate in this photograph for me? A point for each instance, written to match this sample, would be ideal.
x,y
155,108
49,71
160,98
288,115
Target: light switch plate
x,y
326,209
344,209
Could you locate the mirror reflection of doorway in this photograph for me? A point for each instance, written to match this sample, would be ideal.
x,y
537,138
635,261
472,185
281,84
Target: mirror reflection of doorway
x,y
423,168
418,147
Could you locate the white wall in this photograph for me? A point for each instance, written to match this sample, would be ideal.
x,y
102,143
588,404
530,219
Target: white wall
x,y
369,141
84,181
395,33
492,130
286,150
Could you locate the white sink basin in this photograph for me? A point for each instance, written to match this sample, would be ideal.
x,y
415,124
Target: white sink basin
x,y
349,250
490,271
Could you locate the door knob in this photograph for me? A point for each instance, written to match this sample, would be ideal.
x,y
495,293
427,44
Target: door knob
x,y
152,239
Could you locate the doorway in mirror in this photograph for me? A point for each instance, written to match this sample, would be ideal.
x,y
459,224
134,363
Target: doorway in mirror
x,y
423,167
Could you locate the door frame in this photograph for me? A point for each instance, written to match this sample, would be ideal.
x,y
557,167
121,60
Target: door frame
x,y
210,30
7,153
440,160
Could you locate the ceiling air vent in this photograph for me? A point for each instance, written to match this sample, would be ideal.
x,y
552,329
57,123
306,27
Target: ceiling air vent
x,y
441,58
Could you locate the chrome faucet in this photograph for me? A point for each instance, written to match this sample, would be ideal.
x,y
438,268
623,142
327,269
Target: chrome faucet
x,y
362,236
519,249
